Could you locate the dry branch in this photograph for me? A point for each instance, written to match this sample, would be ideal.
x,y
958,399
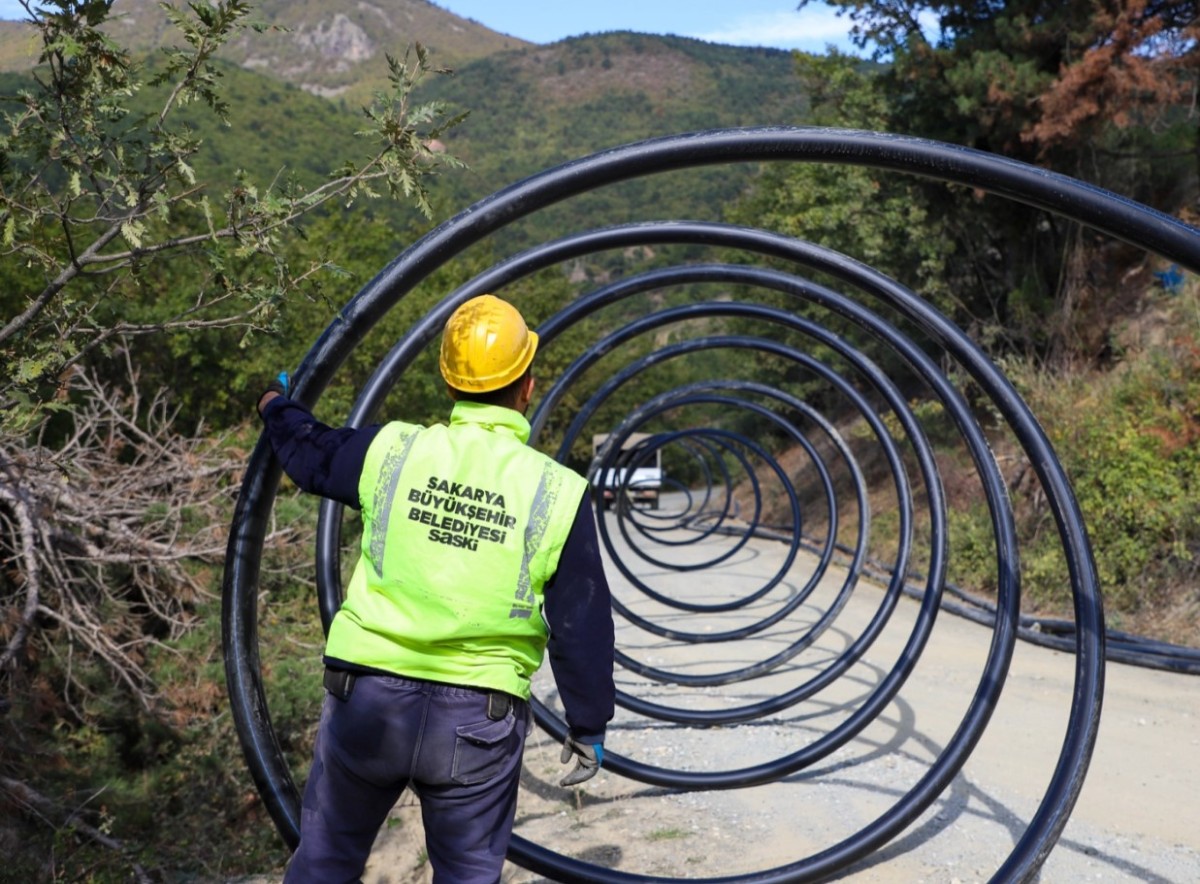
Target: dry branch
x,y
35,803
102,529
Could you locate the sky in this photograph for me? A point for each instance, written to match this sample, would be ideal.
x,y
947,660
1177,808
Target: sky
x,y
774,23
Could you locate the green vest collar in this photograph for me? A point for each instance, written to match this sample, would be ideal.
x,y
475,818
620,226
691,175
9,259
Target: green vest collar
x,y
493,418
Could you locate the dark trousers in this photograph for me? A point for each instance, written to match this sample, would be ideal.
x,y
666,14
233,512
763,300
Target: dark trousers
x,y
393,732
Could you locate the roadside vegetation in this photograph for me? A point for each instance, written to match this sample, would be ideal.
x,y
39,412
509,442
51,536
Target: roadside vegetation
x,y
174,230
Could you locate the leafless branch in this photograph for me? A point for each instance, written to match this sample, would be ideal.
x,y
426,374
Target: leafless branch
x,y
101,532
35,803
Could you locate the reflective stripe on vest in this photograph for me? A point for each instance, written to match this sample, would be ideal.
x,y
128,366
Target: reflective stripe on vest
x,y
462,527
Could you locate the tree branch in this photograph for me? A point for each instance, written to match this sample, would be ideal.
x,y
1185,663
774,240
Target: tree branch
x,y
25,795
10,493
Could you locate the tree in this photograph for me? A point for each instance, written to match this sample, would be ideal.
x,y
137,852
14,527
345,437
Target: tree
x,y
93,193
868,214
1033,79
110,515
1138,68
1050,83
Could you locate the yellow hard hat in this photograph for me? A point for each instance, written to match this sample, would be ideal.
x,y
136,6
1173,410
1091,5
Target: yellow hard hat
x,y
486,345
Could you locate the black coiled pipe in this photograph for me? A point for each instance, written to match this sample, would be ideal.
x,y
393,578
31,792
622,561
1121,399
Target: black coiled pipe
x,y
1104,211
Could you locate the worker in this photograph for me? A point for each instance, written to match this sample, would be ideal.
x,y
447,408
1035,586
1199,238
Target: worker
x,y
478,557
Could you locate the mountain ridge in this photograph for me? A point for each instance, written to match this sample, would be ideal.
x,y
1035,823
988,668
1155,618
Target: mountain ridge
x,y
531,106
326,47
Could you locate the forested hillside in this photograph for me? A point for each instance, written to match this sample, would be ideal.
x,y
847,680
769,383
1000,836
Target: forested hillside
x,y
536,108
539,107
332,48
186,205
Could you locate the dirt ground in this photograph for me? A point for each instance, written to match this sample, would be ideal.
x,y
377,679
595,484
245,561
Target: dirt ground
x,y
1135,819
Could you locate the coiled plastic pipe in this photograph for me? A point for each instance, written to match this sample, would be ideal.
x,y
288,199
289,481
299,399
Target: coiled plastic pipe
x,y
1075,200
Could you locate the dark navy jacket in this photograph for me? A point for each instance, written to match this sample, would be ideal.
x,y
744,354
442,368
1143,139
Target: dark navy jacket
x,y
328,461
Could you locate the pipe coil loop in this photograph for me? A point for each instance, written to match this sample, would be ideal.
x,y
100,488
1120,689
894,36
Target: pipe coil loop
x,y
856,356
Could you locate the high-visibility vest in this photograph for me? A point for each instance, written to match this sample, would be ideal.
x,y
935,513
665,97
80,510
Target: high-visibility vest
x,y
462,527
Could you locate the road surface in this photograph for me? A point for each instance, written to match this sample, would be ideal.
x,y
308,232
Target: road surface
x,y
1137,818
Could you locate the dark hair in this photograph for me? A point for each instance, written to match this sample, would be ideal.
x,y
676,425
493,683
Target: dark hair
x,y
505,396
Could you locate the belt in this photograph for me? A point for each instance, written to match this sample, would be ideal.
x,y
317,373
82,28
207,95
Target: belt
x,y
340,683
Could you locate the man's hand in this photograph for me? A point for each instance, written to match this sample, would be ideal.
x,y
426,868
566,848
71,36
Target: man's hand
x,y
278,386
590,757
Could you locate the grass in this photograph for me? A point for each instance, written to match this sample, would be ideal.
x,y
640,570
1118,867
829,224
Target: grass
x,y
669,834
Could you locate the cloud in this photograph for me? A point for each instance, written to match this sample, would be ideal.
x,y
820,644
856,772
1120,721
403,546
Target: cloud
x,y
811,29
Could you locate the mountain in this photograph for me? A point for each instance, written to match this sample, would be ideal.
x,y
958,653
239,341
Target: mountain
x,y
327,47
552,102
531,106
534,108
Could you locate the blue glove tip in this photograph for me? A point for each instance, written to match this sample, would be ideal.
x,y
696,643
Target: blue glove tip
x,y
599,747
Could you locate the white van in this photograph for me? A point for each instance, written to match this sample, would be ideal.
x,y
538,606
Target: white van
x,y
644,484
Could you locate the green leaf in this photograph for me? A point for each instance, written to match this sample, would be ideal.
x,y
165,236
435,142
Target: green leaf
x,y
132,232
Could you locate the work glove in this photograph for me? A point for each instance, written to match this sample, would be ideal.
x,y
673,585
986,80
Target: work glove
x,y
590,756
280,384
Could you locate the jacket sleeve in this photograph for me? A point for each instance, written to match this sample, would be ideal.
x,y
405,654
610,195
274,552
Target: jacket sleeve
x,y
578,609
320,459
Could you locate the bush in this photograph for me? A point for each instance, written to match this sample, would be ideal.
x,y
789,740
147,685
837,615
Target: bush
x,y
1127,438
